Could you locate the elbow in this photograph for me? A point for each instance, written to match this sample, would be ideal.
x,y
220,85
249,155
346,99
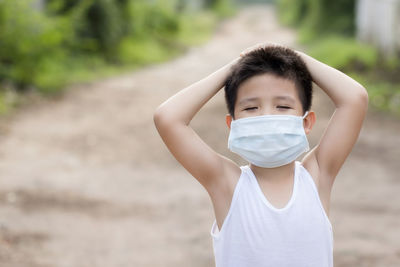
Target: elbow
x,y
360,99
163,119
359,95
357,98
363,97
158,117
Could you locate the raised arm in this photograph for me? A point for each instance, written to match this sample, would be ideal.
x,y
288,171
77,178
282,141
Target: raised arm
x,y
172,120
351,102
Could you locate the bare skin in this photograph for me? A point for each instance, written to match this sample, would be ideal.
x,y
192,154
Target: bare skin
x,y
219,175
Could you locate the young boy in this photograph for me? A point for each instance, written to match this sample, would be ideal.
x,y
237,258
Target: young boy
x,y
273,212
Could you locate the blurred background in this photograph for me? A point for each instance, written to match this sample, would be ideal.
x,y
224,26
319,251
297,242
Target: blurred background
x,y
85,179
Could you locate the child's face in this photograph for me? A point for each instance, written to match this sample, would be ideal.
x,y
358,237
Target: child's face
x,y
267,94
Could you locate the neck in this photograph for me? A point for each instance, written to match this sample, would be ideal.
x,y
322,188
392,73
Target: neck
x,y
278,174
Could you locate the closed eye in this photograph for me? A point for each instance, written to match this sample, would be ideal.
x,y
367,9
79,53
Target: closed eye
x,y
284,107
250,108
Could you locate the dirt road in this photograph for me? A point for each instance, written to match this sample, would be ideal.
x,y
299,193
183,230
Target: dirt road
x,y
86,181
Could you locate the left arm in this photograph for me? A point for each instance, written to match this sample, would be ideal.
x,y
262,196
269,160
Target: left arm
x,y
351,102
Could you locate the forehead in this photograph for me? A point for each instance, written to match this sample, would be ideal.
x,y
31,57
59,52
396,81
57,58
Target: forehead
x,y
267,87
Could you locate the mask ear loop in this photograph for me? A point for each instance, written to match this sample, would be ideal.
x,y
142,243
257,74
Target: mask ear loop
x,y
305,114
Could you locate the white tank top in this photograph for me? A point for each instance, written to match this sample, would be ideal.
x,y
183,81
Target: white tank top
x,y
256,234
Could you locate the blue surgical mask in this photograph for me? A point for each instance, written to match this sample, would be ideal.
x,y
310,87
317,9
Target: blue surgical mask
x,y
269,141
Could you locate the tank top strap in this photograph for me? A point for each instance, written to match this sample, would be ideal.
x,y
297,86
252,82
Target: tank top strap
x,y
307,180
215,232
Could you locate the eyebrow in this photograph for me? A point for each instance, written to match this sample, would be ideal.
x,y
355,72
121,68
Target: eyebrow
x,y
250,99
287,98
253,99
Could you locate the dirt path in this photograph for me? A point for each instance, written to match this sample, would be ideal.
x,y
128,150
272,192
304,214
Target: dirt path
x,y
86,181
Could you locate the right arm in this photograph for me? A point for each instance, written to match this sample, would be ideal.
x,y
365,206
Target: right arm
x,y
172,120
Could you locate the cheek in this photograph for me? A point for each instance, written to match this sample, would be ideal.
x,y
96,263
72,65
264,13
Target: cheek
x,y
240,115
236,113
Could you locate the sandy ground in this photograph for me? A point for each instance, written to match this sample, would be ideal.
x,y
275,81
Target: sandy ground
x,y
86,181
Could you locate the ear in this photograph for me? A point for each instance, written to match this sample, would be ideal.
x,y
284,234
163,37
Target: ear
x,y
228,120
309,121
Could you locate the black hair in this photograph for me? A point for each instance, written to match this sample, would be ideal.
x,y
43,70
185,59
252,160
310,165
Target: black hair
x,y
280,61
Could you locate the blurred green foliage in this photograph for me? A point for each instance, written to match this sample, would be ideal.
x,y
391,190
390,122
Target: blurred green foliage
x,y
318,17
327,30
383,94
28,40
47,44
222,7
344,53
